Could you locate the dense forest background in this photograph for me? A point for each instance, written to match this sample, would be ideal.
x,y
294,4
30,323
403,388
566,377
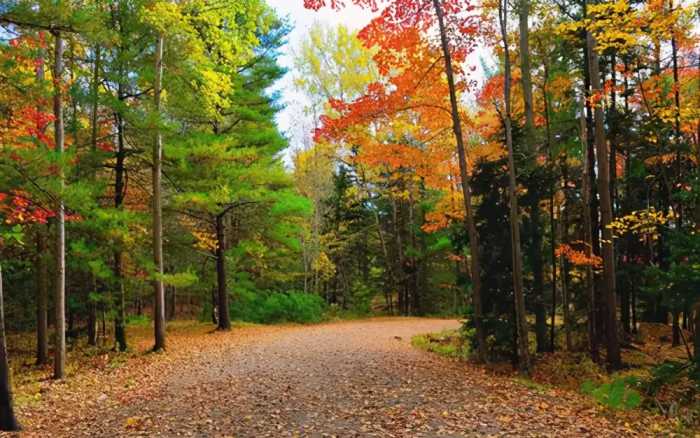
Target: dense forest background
x,y
551,200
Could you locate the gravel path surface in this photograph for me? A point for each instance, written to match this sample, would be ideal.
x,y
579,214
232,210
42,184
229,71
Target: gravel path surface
x,y
347,379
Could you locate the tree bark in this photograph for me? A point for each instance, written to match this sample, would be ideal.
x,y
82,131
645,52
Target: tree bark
x,y
159,292
42,303
677,115
8,422
60,291
552,219
466,189
517,259
535,218
119,317
224,318
388,294
676,329
538,283
588,242
92,305
696,334
92,315
118,256
398,240
42,269
214,307
606,215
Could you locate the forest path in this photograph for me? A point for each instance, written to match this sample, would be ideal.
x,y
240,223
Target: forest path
x,y
357,378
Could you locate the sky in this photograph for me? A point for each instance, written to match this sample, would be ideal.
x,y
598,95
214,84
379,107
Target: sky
x,y
291,120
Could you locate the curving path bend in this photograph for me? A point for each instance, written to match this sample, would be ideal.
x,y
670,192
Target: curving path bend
x,y
346,379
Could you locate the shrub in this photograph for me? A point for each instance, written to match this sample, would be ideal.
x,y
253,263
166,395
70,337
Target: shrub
x,y
618,394
448,343
138,320
274,307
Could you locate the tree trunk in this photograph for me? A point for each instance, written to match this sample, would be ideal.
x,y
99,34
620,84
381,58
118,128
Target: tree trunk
x,y
677,115
42,269
171,303
415,291
119,317
159,292
389,265
42,303
634,310
214,307
676,334
118,256
552,201
606,216
564,237
536,221
8,422
596,301
538,284
588,248
517,259
60,291
466,190
696,334
92,304
398,241
625,310
92,314
224,319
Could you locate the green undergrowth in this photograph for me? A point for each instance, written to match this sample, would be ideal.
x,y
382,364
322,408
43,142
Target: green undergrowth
x,y
447,343
670,389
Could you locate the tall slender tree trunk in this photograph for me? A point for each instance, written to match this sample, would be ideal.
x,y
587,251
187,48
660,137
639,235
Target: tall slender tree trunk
x,y
414,277
696,332
60,284
8,422
118,256
596,301
538,283
158,290
552,201
92,314
42,303
398,240
92,304
530,145
214,307
466,189
388,294
517,259
676,333
42,269
119,317
625,309
565,297
606,214
224,319
677,114
389,265
588,242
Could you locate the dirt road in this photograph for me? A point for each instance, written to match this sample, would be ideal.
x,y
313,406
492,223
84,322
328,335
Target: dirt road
x,y
359,378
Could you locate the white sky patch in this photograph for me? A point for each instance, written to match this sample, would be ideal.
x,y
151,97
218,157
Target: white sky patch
x,y
292,121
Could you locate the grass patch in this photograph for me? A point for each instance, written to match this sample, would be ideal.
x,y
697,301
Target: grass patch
x,y
447,343
531,384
